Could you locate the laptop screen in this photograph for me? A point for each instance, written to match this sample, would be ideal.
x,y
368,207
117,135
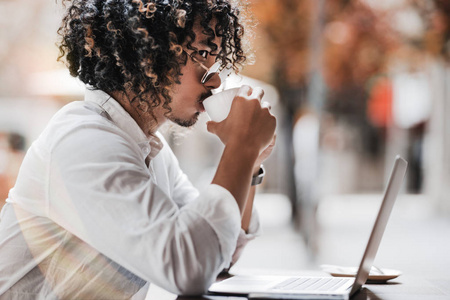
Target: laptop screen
x,y
390,194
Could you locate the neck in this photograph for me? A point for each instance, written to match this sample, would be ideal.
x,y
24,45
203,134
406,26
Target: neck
x,y
148,119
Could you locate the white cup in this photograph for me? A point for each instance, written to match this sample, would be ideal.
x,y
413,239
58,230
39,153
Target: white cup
x,y
218,106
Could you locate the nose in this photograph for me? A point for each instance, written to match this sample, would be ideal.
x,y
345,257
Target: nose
x,y
212,81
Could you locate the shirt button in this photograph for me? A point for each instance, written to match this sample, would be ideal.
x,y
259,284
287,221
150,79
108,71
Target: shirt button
x,y
146,150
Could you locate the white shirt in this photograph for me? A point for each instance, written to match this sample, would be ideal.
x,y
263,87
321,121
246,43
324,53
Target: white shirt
x,y
99,210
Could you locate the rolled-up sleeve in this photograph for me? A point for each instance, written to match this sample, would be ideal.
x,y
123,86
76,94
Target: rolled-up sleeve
x,y
185,192
222,214
244,238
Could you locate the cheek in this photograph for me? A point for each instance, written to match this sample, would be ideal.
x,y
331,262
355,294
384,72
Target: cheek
x,y
189,81
188,90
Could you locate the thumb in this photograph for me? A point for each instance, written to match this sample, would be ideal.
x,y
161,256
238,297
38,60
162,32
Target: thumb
x,y
211,126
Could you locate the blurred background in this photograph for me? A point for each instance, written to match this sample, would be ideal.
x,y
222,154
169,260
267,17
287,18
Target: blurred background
x,y
353,83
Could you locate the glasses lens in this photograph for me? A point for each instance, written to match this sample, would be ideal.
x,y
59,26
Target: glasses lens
x,y
217,74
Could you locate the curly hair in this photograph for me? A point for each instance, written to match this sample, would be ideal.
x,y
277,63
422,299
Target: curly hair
x,y
136,45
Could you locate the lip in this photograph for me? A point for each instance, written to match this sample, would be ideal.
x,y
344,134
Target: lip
x,y
202,108
200,101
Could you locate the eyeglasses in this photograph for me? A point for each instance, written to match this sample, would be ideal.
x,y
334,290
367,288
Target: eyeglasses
x,y
215,75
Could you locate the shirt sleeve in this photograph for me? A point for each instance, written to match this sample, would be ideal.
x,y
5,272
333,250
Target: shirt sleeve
x,y
254,230
100,190
184,192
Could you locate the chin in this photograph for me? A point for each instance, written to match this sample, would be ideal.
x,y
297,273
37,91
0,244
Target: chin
x,y
186,122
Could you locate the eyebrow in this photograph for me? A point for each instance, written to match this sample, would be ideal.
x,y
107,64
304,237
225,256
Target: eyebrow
x,y
204,42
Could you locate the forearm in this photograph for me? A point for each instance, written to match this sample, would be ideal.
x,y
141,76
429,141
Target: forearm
x,y
246,133
247,215
234,172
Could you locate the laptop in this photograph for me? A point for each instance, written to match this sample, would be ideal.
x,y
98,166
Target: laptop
x,y
296,287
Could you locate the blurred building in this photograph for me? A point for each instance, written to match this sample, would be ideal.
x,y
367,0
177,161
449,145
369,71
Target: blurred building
x,y
352,83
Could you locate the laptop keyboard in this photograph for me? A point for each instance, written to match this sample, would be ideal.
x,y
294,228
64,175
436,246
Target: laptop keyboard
x,y
307,284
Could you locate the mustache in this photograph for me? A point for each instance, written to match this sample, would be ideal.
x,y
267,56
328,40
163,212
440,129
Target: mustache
x,y
204,96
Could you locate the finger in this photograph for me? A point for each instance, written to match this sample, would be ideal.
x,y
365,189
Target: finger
x,y
258,93
265,104
272,142
211,126
245,91
274,139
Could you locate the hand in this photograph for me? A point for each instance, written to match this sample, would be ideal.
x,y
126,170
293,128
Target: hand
x,y
248,124
264,155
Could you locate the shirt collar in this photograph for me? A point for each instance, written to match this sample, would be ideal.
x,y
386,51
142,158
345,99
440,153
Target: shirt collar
x,y
150,146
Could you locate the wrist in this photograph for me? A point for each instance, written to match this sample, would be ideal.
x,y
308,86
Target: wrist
x,y
256,170
244,152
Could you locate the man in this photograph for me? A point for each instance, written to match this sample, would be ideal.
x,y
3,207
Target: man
x,y
101,208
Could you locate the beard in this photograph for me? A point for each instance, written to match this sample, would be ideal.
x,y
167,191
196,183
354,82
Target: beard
x,y
191,121
184,122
